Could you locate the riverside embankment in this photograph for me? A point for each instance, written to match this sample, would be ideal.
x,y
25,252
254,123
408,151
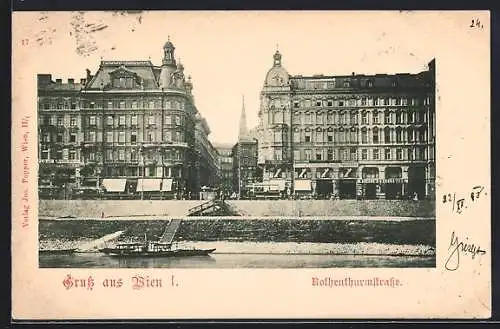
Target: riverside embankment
x,y
279,208
410,237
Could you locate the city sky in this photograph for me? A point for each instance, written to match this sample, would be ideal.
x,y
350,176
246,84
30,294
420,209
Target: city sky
x,y
228,54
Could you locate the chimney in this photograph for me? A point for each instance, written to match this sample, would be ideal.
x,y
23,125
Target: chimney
x,y
58,81
88,74
353,73
71,81
44,80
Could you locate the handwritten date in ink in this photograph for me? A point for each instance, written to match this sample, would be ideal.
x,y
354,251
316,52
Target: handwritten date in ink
x,y
460,203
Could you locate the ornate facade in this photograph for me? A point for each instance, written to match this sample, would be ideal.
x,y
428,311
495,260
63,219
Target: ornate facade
x,y
356,136
131,129
245,170
225,154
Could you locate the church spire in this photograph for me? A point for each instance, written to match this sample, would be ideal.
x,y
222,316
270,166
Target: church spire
x,y
243,134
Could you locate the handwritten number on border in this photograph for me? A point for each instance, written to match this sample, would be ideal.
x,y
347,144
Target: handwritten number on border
x,y
476,23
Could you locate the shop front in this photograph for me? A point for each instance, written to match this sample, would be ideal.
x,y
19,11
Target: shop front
x,y
324,183
370,186
303,188
347,187
393,183
416,182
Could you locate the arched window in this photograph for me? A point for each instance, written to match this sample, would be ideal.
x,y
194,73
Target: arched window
x,y
375,117
399,117
364,118
375,135
422,133
354,118
341,138
387,117
399,135
270,117
278,116
296,135
387,135
354,135
319,136
364,135
410,133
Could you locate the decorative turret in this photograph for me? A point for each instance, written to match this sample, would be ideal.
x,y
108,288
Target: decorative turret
x,y
189,85
277,58
179,75
168,53
169,66
277,76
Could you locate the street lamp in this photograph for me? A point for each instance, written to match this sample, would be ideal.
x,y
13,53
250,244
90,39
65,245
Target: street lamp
x,y
142,164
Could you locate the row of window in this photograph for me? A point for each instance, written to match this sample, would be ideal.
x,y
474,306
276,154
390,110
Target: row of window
x,y
148,171
111,155
62,104
149,120
374,136
134,155
336,83
351,154
132,137
120,120
352,117
124,82
367,172
120,137
59,154
363,101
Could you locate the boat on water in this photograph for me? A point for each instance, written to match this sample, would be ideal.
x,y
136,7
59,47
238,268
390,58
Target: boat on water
x,y
57,251
161,248
152,249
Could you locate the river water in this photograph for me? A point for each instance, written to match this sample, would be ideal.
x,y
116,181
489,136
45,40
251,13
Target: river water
x,y
234,260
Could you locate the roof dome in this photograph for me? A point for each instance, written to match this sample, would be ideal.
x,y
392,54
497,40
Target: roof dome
x,y
168,44
277,55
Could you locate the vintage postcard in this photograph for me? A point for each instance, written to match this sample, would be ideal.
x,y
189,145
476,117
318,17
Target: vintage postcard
x,y
223,165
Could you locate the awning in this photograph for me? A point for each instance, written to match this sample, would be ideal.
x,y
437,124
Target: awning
x,y
114,185
166,185
277,184
146,185
383,181
303,185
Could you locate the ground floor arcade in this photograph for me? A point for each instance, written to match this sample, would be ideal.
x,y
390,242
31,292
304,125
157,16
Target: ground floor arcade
x,y
348,181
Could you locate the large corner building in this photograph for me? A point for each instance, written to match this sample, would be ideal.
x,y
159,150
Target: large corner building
x,y
354,136
130,129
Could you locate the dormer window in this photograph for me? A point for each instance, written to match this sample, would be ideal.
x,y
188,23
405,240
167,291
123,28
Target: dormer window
x,y
370,84
123,82
123,78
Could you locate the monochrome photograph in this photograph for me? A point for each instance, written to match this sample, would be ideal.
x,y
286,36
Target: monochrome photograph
x,y
125,138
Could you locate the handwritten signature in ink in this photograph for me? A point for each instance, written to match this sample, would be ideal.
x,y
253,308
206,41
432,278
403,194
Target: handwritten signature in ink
x,y
457,247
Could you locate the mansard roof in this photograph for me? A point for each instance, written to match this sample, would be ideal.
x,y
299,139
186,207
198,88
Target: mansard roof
x,y
145,71
362,81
